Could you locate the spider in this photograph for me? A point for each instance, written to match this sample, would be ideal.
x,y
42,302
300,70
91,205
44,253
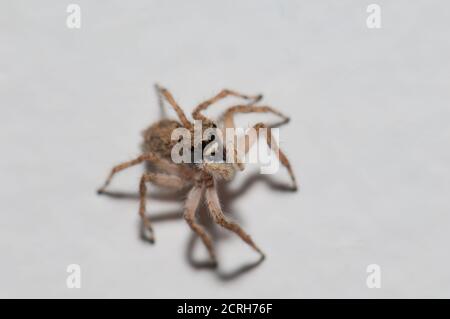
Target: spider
x,y
200,179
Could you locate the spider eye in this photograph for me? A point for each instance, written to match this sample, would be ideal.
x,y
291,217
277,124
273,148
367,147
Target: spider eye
x,y
212,137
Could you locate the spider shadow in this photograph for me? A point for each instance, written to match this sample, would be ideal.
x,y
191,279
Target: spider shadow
x,y
228,195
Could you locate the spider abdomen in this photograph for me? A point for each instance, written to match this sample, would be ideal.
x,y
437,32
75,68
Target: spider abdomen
x,y
157,138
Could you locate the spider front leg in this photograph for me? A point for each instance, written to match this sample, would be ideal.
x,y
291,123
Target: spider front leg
x,y
228,116
229,123
159,179
213,203
222,94
191,205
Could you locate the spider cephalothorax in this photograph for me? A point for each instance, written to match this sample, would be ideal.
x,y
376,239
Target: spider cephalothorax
x,y
202,160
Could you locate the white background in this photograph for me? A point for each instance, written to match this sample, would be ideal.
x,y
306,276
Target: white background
x,y
368,140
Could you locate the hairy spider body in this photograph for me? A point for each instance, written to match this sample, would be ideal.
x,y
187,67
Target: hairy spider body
x,y
157,138
199,177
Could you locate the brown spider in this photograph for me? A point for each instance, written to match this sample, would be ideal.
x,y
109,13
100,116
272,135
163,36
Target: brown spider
x,y
200,178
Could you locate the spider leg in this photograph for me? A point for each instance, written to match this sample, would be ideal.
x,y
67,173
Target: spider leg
x,y
125,165
228,116
229,123
168,167
213,203
168,96
160,100
159,162
274,147
191,205
160,179
221,95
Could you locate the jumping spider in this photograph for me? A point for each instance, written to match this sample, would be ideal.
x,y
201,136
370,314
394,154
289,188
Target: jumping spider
x,y
200,178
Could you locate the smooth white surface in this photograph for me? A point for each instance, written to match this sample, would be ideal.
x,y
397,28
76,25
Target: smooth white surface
x,y
369,141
